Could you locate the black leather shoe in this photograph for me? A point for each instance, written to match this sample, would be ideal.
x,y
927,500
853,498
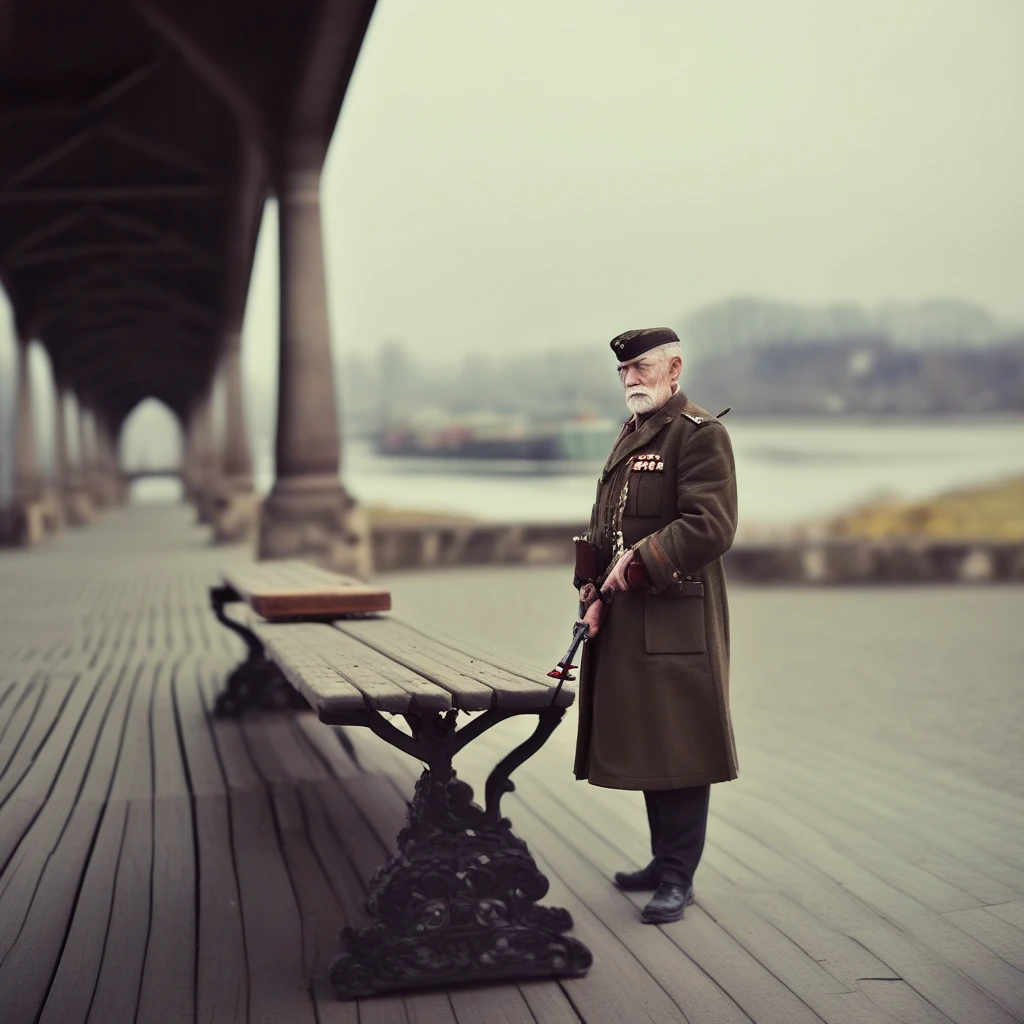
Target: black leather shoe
x,y
669,903
644,880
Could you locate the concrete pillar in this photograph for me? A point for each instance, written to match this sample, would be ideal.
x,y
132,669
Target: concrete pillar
x,y
205,462
308,447
122,486
28,484
236,506
24,522
88,446
237,466
78,501
308,513
107,460
56,492
60,439
188,456
105,484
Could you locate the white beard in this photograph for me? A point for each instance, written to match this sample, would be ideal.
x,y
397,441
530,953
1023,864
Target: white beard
x,y
640,402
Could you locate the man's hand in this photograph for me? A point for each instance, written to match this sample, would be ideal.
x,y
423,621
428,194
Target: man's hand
x,y
594,608
616,580
592,617
617,577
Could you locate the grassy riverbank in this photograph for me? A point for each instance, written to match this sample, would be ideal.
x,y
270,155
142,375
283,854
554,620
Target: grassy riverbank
x,y
991,512
385,515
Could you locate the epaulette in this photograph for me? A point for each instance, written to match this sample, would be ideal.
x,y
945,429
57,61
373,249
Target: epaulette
x,y
701,420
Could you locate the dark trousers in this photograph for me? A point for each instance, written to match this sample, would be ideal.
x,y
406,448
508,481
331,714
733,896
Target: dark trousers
x,y
678,820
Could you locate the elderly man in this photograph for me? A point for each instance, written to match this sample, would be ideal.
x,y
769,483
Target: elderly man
x,y
654,679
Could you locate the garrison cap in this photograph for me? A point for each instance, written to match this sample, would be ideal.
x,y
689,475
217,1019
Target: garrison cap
x,y
635,343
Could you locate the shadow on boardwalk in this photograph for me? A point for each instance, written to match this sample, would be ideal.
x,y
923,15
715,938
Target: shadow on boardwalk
x,y
868,865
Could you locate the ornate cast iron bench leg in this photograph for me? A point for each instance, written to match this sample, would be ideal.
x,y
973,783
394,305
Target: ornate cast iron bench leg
x,y
255,683
457,899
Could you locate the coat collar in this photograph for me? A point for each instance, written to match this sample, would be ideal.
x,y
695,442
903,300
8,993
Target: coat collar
x,y
639,438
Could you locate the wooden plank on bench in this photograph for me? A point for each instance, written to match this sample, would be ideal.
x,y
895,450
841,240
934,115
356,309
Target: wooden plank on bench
x,y
475,684
289,647
381,679
293,590
508,663
337,674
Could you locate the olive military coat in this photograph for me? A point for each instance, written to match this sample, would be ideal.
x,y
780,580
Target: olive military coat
x,y
654,682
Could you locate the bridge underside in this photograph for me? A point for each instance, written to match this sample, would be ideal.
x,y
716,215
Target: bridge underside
x,y
141,139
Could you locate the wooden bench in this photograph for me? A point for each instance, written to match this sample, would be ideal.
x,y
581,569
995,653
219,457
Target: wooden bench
x,y
457,899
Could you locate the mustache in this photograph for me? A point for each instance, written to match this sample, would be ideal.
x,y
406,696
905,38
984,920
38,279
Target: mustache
x,y
640,398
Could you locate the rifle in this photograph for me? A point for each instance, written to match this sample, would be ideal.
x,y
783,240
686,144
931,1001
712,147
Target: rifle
x,y
587,571
565,666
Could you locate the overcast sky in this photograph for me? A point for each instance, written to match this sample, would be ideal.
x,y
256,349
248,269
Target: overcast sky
x,y
545,171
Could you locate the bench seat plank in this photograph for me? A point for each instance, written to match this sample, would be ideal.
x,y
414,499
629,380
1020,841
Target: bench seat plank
x,y
292,590
475,684
509,665
337,674
512,682
320,684
468,693
381,679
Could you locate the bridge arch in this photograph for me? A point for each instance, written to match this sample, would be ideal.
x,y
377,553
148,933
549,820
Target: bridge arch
x,y
150,452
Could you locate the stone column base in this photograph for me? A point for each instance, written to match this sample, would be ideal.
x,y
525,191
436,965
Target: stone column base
x,y
78,506
235,515
204,501
53,511
322,524
109,491
206,496
96,492
23,524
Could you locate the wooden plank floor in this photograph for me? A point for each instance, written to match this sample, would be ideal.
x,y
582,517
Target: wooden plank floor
x,y
158,866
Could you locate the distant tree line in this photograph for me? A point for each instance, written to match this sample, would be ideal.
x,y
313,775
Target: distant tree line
x,y
942,356
862,376
761,357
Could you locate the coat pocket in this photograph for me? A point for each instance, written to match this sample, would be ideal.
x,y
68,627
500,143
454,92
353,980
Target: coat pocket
x,y
645,493
648,499
674,624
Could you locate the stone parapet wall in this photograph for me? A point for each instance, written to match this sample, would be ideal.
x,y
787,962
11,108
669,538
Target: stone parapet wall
x,y
429,545
832,561
844,561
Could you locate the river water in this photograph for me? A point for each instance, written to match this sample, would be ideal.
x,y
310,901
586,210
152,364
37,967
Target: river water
x,y
787,471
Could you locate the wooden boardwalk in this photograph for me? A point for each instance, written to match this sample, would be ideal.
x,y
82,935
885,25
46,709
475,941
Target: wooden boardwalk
x,y
157,866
